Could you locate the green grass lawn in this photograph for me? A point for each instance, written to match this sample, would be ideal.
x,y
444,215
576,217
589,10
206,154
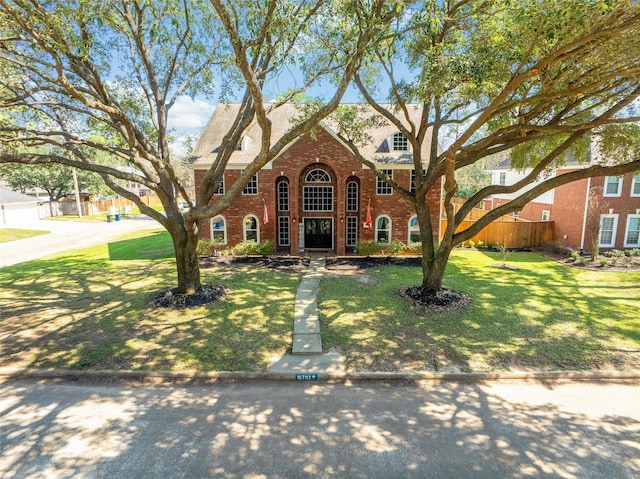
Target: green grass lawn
x,y
87,310
12,234
544,315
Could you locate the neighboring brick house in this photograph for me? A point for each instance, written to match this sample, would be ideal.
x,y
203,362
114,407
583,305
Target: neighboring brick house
x,y
566,206
316,193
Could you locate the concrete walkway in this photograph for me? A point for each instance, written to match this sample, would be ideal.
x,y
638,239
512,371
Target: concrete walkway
x,y
307,341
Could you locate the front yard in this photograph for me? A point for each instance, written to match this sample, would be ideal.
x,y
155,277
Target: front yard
x,y
88,310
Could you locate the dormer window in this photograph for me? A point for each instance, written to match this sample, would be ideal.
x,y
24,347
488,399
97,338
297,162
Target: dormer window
x,y
399,142
242,144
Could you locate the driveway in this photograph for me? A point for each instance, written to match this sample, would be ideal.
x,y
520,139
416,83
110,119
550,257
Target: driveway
x,y
319,430
66,235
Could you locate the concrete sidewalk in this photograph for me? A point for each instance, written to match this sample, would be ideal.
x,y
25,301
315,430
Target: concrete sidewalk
x,y
307,356
67,235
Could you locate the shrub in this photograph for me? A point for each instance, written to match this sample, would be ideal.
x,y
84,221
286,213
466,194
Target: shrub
x,y
583,261
370,248
471,243
251,247
480,243
603,261
635,252
575,255
415,248
489,245
206,247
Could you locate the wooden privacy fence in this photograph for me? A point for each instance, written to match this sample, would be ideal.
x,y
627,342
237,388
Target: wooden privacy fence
x,y
68,207
514,234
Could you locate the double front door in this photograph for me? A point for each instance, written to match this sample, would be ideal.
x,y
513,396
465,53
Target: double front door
x,y
318,233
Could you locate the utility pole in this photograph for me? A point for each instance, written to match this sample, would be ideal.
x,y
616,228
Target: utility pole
x,y
75,187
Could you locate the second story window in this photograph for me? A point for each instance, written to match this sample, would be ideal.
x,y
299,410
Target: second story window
x,y
252,186
612,186
399,142
382,187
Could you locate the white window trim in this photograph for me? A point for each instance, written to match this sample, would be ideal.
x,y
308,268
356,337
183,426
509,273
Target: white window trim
x,y
376,227
357,196
546,213
381,184
626,233
244,227
502,178
613,233
409,229
287,220
635,181
244,190
211,230
392,142
616,194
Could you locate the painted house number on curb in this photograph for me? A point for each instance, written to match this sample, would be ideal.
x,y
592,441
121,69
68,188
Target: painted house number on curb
x,y
306,377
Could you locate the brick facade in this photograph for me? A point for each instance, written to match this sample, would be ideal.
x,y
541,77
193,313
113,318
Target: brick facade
x,y
326,153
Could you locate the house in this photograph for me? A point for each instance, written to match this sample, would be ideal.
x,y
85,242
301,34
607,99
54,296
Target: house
x,y
567,206
17,208
315,195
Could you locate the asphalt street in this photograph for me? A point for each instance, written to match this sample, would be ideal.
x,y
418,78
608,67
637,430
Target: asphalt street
x,y
321,430
66,235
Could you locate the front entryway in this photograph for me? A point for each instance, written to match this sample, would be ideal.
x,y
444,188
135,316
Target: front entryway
x,y
318,233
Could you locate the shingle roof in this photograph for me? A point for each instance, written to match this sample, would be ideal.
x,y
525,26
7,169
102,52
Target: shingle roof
x,y
8,196
205,151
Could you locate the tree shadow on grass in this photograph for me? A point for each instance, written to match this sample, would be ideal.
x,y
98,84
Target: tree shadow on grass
x,y
535,318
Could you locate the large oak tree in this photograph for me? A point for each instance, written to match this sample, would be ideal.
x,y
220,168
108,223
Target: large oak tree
x,y
531,78
81,77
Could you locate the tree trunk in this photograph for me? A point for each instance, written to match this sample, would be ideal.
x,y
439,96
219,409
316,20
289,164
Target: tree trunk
x,y
184,245
433,270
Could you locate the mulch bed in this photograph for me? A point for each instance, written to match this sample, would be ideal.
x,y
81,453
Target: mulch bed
x,y
444,300
170,298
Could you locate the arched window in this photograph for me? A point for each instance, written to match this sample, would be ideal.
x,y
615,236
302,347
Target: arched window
x,y
219,230
251,230
318,176
414,230
283,196
317,197
399,142
352,196
383,229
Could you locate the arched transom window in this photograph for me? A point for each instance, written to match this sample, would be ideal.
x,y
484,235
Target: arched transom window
x,y
318,176
317,197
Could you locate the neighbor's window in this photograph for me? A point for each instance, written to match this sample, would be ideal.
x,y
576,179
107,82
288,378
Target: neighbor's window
x,y
608,225
546,214
503,179
383,229
635,186
632,234
612,186
382,187
219,230
250,227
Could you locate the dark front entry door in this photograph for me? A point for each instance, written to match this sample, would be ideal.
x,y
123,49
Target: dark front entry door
x,y
318,233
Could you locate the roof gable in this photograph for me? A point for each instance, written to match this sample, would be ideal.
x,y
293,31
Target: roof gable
x,y
377,149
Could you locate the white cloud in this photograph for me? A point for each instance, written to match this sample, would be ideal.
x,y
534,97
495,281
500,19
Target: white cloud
x,y
188,114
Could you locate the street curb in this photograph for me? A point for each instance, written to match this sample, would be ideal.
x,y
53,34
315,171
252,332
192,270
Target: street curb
x,y
172,376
